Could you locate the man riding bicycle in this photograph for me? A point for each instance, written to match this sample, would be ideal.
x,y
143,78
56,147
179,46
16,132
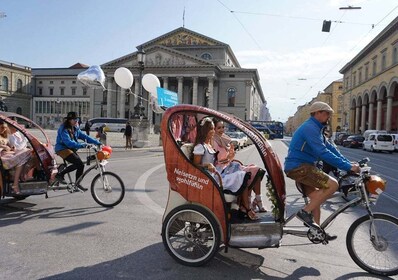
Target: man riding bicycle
x,y
306,147
67,145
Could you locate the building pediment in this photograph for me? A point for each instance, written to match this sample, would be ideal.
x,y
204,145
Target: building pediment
x,y
158,56
182,37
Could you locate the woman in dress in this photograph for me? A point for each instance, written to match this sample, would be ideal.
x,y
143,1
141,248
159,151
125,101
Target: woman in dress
x,y
226,154
205,156
12,158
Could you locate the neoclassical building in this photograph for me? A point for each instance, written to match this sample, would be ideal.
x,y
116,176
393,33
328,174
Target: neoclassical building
x,y
202,70
371,84
15,88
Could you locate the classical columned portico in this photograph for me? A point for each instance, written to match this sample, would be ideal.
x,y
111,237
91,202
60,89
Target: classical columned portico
x,y
370,118
356,127
363,118
195,91
389,113
180,89
378,114
210,89
109,98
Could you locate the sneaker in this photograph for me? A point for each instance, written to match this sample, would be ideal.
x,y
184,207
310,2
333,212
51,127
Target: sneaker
x,y
82,188
60,179
307,219
330,237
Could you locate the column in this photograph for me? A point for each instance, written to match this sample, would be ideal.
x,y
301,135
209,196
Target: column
x,y
356,127
378,115
179,91
363,118
210,91
165,82
389,113
122,105
109,98
195,91
370,119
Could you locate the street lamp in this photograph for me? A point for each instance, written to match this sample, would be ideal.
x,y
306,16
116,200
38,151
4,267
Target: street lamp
x,y
139,108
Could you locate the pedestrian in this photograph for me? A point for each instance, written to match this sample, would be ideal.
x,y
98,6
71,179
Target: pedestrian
x,y
102,134
87,127
128,133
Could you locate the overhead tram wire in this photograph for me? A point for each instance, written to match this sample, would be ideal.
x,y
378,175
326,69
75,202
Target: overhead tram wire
x,y
360,40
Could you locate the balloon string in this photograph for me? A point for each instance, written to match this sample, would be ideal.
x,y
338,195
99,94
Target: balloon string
x,y
130,92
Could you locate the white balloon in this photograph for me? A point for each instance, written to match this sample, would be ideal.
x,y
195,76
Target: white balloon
x,y
124,78
150,82
93,77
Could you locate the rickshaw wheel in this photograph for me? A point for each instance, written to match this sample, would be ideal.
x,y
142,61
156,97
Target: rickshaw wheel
x,y
191,235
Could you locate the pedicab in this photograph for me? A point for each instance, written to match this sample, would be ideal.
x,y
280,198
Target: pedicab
x,y
198,214
37,172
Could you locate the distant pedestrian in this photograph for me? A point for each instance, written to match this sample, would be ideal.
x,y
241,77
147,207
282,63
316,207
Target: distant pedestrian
x,y
87,127
128,133
102,134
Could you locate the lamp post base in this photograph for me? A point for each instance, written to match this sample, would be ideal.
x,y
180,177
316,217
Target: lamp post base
x,y
141,131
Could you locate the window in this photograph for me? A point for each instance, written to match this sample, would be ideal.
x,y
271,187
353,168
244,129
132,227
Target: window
x,y
374,68
40,91
395,55
73,82
40,82
73,91
51,82
366,72
206,56
19,110
62,82
231,92
19,85
62,91
360,76
354,80
51,91
4,83
383,62
85,92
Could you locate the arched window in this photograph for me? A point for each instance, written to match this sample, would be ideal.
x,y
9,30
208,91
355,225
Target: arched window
x,y
19,110
395,55
231,92
206,56
19,85
4,83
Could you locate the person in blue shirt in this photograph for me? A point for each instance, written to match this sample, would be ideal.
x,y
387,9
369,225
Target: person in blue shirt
x,y
67,145
307,147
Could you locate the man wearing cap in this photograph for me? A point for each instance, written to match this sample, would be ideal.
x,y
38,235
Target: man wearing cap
x,y
306,147
67,144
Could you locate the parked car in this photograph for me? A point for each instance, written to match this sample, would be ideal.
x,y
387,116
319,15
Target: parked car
x,y
395,136
354,141
379,142
237,139
340,138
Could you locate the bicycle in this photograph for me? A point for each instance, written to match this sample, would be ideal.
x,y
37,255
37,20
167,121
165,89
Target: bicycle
x,y
107,188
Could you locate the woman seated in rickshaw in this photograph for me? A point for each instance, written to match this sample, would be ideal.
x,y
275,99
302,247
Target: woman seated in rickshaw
x,y
205,156
226,153
11,157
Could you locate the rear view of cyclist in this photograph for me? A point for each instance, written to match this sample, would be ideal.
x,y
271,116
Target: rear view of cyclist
x,y
67,145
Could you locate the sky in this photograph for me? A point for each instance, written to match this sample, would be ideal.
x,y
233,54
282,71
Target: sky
x,y
281,39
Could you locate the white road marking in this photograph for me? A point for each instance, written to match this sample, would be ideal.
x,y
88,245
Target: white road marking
x,y
141,193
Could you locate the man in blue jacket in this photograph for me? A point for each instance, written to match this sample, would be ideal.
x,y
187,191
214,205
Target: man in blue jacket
x,y
307,147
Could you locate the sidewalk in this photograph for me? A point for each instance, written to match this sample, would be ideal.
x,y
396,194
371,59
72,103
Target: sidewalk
x,y
114,139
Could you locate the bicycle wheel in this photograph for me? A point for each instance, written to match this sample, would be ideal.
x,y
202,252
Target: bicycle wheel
x,y
191,235
373,246
107,189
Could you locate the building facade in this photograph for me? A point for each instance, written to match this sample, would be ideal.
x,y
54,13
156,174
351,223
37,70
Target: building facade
x,y
371,84
202,71
15,88
56,92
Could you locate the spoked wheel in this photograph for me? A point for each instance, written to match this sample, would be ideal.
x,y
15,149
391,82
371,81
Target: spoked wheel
x,y
191,235
107,189
373,245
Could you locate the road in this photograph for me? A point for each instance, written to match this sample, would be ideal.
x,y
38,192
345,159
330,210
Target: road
x,y
69,236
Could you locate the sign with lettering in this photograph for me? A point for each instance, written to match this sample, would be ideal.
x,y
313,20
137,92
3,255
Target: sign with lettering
x,y
166,98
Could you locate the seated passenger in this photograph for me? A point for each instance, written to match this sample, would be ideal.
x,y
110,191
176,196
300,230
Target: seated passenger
x,y
11,157
206,157
226,153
